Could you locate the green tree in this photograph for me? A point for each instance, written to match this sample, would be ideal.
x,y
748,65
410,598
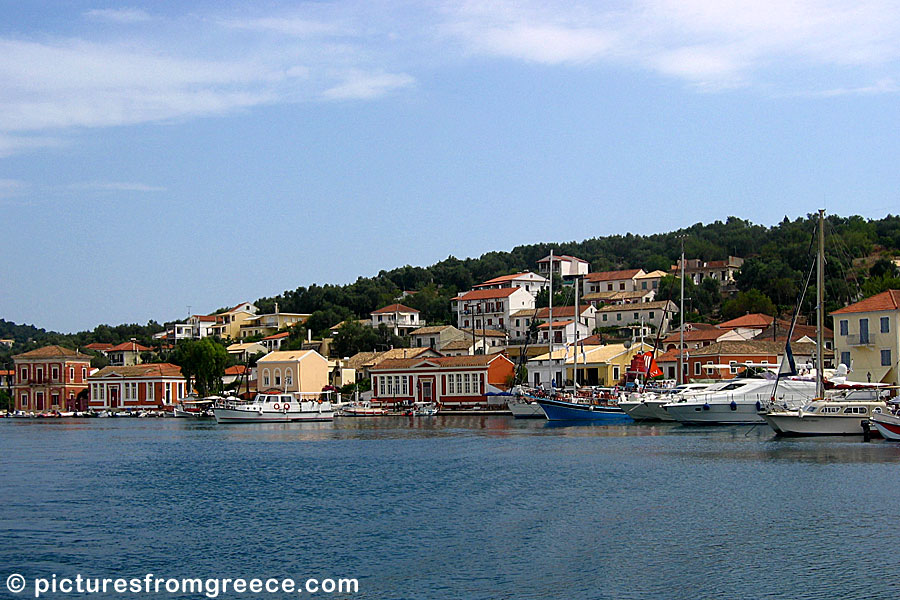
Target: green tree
x,y
752,301
202,363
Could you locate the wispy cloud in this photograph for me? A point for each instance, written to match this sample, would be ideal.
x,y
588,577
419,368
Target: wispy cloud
x,y
113,186
17,144
118,15
364,86
12,187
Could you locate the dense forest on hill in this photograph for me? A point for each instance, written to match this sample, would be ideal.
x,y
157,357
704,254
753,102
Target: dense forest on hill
x,y
777,260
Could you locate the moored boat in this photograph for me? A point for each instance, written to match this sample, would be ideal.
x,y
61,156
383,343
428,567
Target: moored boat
x,y
887,424
825,417
275,408
566,410
525,407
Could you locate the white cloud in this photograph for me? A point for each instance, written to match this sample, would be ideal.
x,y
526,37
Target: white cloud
x,y
364,86
289,26
16,144
118,15
114,186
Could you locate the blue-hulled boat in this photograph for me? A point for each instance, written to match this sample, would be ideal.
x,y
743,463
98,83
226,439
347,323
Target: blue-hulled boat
x,y
563,410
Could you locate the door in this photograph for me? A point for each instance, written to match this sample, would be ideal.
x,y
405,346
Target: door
x,y
39,401
427,391
114,397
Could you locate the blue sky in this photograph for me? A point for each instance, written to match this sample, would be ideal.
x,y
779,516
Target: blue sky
x,y
160,155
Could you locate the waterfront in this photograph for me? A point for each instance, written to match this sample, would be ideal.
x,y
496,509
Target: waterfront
x,y
455,507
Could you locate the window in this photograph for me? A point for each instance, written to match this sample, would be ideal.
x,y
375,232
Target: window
x,y
467,385
390,386
615,373
149,392
618,316
651,315
732,367
863,331
265,378
604,317
381,386
697,368
24,400
844,324
643,285
54,373
451,384
24,375
885,325
622,286
405,382
845,359
288,377
885,358
39,374
637,316
609,287
71,373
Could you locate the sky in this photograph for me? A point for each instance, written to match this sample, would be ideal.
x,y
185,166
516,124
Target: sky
x,y
165,158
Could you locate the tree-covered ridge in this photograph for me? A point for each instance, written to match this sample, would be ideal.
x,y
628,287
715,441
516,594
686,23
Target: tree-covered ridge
x,y
777,260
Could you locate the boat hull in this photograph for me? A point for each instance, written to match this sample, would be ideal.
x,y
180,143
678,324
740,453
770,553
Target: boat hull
x,y
646,410
692,413
558,410
231,415
887,425
790,423
526,410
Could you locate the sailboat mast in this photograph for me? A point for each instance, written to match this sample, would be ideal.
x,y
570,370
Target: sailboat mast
x,y
550,314
680,378
820,308
575,372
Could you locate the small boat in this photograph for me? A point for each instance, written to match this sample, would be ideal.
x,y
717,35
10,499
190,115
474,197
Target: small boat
x,y
196,408
525,407
361,409
825,417
283,407
567,410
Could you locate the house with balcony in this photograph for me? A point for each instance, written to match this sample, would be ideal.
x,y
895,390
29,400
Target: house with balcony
x,y
434,337
244,351
633,297
136,387
722,271
657,314
51,378
126,354
228,323
649,281
263,325
567,267
479,341
273,342
867,338
530,282
520,325
490,309
398,318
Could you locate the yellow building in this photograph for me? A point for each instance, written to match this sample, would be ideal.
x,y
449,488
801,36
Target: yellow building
x,y
867,338
603,365
228,324
299,371
270,323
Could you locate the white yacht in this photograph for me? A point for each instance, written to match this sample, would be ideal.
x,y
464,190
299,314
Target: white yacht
x,y
523,407
276,408
651,406
738,401
825,417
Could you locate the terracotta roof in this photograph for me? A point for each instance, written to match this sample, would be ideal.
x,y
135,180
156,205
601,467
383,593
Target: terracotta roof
x,y
639,306
477,360
485,294
460,344
207,318
561,257
695,335
485,333
99,346
561,311
670,356
750,347
613,295
429,330
54,352
394,308
145,370
754,320
887,300
555,324
276,336
524,313
289,355
236,370
652,275
129,347
612,275
231,310
506,278
369,359
592,340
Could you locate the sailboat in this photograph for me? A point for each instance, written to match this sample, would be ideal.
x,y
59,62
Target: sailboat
x,y
840,407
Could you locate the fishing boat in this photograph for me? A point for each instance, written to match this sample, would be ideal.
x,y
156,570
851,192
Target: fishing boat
x,y
570,410
525,407
361,409
825,417
195,408
281,407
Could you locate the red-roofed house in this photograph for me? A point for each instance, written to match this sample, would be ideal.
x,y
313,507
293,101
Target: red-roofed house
x,y
273,342
157,385
490,309
722,271
530,282
126,354
449,381
612,281
867,337
99,347
563,265
563,331
748,321
401,319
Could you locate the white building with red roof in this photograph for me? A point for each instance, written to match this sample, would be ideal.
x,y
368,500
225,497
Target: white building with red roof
x,y
126,354
273,342
563,265
490,308
530,282
156,385
867,338
399,318
613,281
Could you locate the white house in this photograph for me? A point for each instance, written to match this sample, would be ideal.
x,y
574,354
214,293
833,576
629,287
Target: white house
x,y
530,282
401,319
563,265
657,314
490,309
612,281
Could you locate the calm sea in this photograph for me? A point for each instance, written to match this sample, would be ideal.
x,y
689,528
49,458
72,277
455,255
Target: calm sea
x,y
455,507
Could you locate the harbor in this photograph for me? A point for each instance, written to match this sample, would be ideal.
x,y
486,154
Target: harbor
x,y
416,507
